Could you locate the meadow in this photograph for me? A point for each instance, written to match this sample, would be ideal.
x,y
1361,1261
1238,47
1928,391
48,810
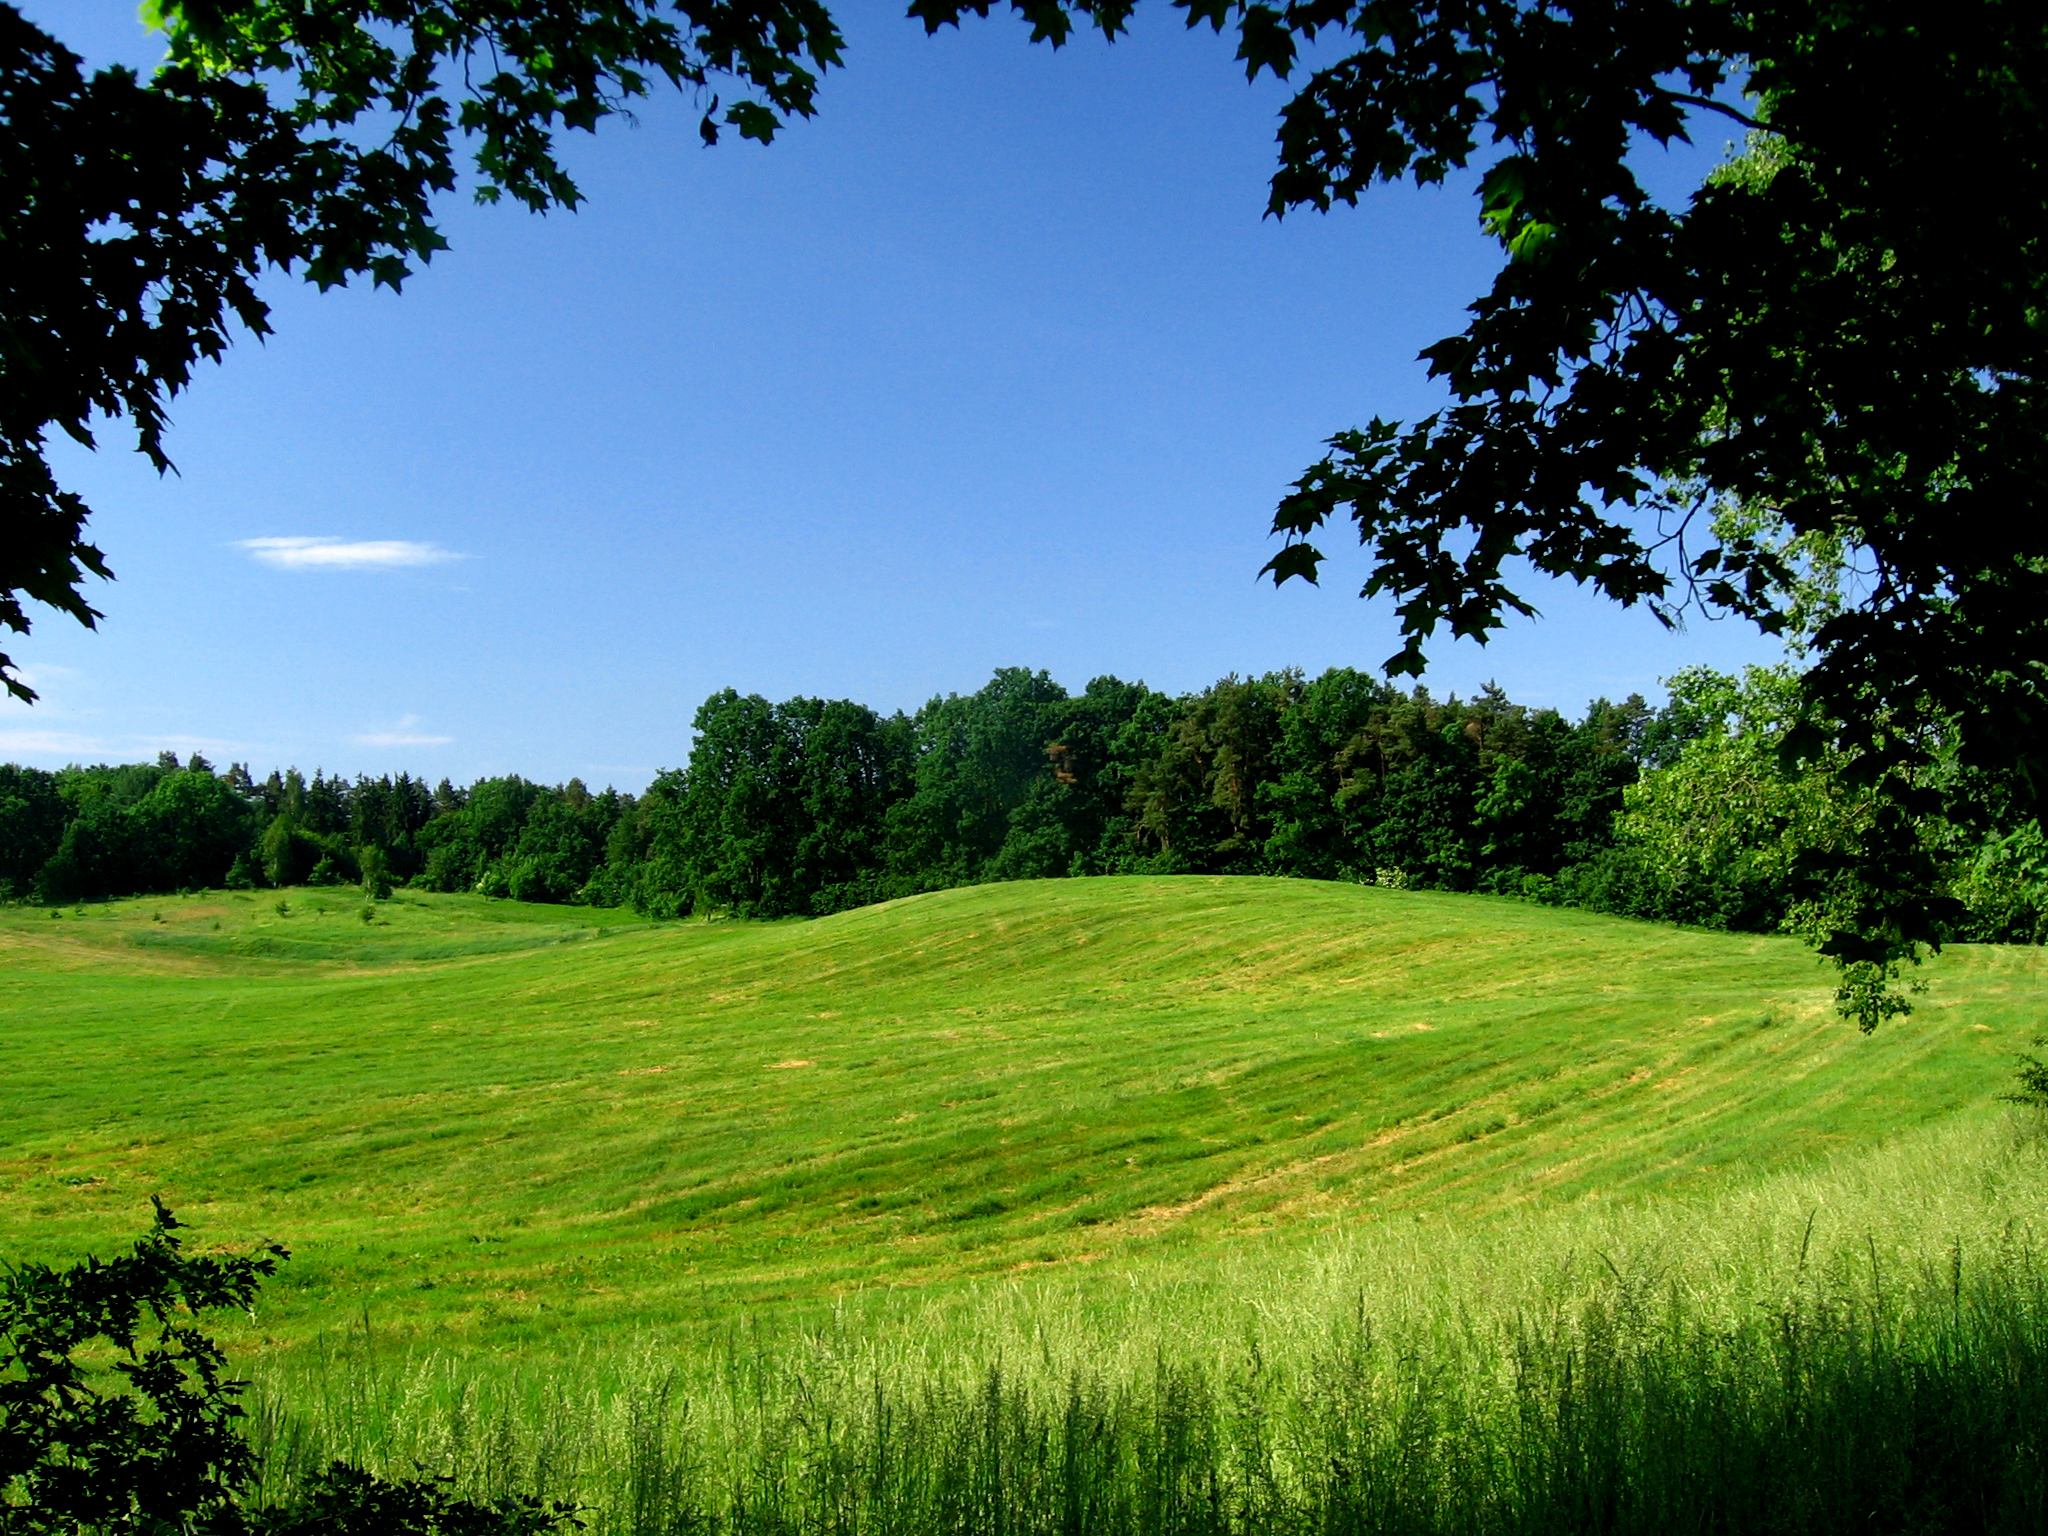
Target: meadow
x,y
951,1212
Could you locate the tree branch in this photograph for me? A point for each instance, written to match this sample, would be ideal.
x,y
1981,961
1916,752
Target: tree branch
x,y
1712,105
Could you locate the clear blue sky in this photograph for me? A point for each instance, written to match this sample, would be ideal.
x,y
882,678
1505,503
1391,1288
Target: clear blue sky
x,y
995,362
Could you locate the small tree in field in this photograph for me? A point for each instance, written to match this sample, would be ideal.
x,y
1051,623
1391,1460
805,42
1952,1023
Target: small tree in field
x,y
376,871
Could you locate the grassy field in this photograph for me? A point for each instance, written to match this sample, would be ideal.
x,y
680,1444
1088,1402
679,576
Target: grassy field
x,y
1858,1345
1180,1207
477,1122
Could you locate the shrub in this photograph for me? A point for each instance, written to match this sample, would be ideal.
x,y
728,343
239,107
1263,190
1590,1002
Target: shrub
x,y
347,1501
153,1444
376,872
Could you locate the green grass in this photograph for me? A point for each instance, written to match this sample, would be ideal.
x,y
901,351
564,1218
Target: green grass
x,y
1858,1345
1133,1207
483,1123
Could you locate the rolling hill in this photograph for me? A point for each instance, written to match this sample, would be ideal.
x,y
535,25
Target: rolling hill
x,y
489,1121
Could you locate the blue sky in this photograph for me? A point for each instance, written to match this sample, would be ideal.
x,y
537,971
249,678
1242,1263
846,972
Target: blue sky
x,y
993,363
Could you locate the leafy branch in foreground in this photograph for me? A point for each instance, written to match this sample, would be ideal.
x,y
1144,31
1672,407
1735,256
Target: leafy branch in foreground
x,y
155,1444
2030,1079
344,1500
1842,331
308,137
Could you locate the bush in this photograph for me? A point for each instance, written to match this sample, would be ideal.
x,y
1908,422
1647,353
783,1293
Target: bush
x,y
347,1501
376,872
155,1444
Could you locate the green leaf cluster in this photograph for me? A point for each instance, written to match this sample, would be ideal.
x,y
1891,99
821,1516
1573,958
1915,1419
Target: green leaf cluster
x,y
154,1443
307,136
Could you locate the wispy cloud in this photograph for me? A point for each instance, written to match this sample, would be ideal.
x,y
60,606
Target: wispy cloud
x,y
120,748
404,734
328,554
52,744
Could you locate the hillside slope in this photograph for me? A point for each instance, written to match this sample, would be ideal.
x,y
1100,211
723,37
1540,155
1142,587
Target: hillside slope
x,y
489,1118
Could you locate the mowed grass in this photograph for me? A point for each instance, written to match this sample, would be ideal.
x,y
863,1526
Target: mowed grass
x,y
477,1122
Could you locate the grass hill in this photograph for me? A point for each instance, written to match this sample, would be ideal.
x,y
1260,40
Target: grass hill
x,y
483,1121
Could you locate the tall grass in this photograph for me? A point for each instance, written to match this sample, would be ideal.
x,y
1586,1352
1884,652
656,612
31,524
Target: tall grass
x,y
1860,1347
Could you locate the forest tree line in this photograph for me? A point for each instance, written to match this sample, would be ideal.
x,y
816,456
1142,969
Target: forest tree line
x,y
1689,812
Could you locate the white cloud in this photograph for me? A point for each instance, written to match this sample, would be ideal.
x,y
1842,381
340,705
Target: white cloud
x,y
328,554
401,735
120,749
53,744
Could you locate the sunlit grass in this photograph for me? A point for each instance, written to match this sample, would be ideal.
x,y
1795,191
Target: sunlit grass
x,y
1861,1344
1120,1206
485,1122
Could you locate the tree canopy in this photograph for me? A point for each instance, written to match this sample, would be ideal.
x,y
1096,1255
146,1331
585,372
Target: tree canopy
x,y
1689,813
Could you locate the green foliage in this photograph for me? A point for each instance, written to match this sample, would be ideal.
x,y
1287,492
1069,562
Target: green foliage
x,y
1720,833
32,816
188,831
151,1445
808,807
1195,804
1021,781
143,828
2030,1080
1332,778
1747,817
462,846
372,865
979,758
2003,886
342,1500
